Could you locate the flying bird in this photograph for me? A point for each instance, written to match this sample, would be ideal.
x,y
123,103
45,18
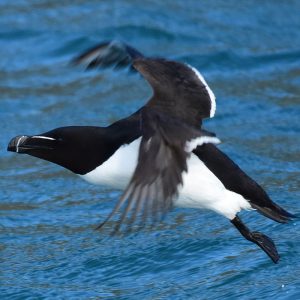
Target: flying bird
x,y
160,155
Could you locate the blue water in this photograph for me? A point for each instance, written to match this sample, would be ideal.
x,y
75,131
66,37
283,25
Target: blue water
x,y
249,53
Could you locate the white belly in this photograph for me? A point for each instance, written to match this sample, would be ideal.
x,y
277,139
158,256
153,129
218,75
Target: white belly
x,y
201,188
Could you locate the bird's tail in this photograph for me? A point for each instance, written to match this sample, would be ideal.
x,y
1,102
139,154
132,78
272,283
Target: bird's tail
x,y
274,212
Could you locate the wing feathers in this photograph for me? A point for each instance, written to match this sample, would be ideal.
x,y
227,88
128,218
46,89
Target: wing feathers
x,y
161,162
106,54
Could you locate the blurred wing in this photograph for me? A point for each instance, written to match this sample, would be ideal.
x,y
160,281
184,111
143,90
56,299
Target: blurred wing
x,y
178,89
165,146
108,54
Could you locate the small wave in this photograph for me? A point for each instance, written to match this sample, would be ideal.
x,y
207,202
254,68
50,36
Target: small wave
x,y
229,60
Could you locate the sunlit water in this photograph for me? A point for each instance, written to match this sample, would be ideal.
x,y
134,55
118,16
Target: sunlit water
x,y
250,56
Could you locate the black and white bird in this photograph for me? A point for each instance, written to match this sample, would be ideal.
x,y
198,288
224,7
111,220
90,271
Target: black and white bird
x,y
159,155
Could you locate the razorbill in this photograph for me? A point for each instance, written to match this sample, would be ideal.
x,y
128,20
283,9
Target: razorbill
x,y
159,155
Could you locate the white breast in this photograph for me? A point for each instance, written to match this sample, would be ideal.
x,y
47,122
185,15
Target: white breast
x,y
201,188
118,169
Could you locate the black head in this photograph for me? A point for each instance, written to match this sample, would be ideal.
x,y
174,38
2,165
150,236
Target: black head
x,y
77,148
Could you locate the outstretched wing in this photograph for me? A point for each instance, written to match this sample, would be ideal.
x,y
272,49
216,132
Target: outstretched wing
x,y
106,54
165,146
178,89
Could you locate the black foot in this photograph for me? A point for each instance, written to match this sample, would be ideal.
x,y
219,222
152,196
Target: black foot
x,y
264,242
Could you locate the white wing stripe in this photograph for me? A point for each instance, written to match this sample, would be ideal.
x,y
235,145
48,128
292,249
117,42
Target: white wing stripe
x,y
210,92
191,145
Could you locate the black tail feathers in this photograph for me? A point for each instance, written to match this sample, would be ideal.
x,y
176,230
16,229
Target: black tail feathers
x,y
274,212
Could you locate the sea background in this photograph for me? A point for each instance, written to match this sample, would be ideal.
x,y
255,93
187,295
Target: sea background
x,y
249,53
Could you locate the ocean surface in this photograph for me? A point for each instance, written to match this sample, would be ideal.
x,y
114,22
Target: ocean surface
x,y
249,53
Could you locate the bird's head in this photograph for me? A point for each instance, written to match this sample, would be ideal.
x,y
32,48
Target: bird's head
x,y
76,148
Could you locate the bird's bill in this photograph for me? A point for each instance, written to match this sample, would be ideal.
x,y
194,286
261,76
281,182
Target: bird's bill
x,y
27,144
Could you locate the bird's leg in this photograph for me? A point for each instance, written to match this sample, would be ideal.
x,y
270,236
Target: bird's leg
x,y
264,242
